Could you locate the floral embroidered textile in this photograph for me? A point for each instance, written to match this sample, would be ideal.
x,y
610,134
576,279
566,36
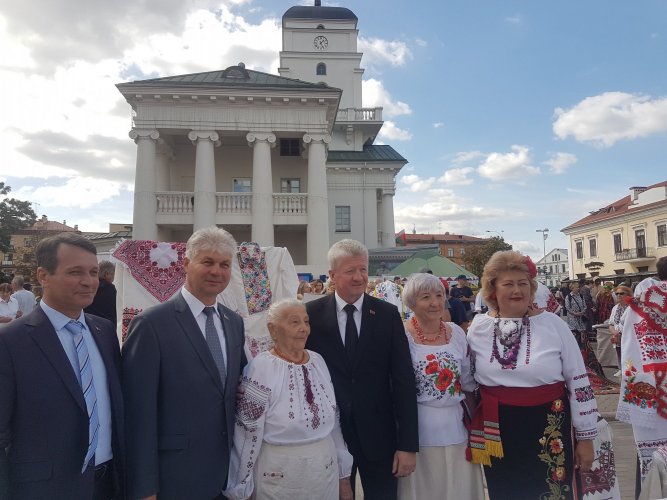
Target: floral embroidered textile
x,y
255,277
156,266
128,314
438,374
552,453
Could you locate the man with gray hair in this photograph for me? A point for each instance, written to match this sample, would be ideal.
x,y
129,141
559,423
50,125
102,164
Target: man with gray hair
x,y
181,363
25,298
104,303
363,342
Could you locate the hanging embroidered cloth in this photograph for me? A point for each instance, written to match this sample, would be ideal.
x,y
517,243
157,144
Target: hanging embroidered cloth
x,y
157,266
254,273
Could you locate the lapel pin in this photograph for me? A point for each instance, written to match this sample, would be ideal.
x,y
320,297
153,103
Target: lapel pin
x,y
372,311
225,316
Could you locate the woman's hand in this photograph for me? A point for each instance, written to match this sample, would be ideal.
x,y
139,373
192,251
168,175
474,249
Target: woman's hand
x,y
404,463
583,455
345,489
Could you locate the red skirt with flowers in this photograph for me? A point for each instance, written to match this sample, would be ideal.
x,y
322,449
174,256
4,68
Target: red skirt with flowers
x,y
538,456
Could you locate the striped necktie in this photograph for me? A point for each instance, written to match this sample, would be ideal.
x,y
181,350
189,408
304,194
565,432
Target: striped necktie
x,y
85,377
214,345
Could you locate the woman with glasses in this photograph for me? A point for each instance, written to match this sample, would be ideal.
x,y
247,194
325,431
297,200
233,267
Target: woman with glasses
x,y
615,327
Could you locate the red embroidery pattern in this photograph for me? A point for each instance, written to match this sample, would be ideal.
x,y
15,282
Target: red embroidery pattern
x,y
252,404
604,477
128,314
156,266
254,273
258,344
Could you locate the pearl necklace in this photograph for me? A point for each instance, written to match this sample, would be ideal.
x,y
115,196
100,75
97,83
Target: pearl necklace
x,y
509,336
421,337
301,361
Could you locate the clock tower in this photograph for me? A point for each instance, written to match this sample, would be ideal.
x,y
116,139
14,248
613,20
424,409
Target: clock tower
x,y
320,45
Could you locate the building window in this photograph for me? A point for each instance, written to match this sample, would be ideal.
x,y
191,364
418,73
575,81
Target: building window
x,y
242,185
290,185
662,235
593,247
290,147
580,249
321,69
551,269
563,268
343,219
463,251
450,252
618,243
642,269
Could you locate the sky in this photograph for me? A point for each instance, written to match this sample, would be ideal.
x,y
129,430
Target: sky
x,y
514,116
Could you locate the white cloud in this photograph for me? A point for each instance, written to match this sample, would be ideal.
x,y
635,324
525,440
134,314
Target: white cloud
x,y
438,125
391,132
457,176
378,51
514,19
375,95
560,162
416,184
421,42
505,166
529,247
605,119
78,192
466,156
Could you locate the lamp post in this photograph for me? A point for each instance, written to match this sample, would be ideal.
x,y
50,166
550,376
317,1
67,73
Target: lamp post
x,y
545,235
500,233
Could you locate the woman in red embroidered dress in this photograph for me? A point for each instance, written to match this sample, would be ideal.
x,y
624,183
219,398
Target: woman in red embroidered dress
x,y
533,388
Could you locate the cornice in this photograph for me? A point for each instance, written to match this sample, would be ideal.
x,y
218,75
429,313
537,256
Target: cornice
x,y
628,216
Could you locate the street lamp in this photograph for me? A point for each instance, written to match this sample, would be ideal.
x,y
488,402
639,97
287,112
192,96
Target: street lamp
x,y
545,235
501,233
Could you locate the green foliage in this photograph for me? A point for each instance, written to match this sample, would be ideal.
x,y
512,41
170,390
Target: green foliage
x,y
14,215
476,257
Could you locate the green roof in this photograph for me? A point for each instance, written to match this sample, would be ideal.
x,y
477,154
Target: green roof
x,y
369,153
234,76
441,266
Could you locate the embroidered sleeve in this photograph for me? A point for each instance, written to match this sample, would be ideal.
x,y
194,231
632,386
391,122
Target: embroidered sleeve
x,y
582,400
250,416
468,383
344,457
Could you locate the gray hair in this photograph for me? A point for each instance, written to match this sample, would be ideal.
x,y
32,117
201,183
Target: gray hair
x,y
18,280
343,249
213,239
106,267
421,283
278,308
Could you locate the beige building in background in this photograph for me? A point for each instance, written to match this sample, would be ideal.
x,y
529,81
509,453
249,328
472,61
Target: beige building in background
x,y
625,238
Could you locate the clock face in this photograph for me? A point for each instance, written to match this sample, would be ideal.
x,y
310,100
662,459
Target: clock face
x,y
321,42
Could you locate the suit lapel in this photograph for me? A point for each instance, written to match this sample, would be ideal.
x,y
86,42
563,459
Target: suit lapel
x,y
367,329
46,338
192,332
231,343
331,320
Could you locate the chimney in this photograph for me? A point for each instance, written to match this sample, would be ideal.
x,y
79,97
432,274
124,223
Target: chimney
x,y
76,227
64,222
635,191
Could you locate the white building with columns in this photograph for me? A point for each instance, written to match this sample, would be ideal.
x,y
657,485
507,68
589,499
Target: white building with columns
x,y
284,160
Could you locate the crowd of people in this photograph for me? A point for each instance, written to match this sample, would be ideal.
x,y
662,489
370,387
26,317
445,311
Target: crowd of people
x,y
421,390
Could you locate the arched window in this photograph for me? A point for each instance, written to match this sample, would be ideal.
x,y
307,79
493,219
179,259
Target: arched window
x,y
321,69
320,26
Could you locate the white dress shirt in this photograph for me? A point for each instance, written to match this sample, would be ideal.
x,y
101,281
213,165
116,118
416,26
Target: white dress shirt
x,y
342,315
197,308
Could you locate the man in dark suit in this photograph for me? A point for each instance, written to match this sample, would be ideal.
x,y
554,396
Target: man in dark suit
x,y
181,364
104,303
61,409
363,342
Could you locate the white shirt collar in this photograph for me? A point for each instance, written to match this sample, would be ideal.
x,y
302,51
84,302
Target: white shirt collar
x,y
58,319
340,303
195,305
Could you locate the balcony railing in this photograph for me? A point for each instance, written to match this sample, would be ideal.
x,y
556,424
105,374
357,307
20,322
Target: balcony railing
x,y
175,202
233,203
183,202
290,203
7,262
636,254
359,115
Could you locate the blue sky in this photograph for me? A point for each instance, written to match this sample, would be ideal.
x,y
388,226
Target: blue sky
x,y
513,115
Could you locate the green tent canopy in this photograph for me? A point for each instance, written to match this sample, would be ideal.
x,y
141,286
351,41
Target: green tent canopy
x,y
441,266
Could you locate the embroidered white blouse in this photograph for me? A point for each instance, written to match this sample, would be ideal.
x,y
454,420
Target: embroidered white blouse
x,y
283,404
554,357
442,373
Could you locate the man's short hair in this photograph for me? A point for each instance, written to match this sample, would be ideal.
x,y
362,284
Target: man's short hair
x,y
662,268
343,249
106,267
18,281
213,239
47,249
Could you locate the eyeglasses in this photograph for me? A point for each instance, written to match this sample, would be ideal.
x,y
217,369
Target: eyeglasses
x,y
621,293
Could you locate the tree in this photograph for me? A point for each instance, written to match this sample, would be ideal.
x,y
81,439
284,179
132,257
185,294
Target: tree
x,y
476,257
14,216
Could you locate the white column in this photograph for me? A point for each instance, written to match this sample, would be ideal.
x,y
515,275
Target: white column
x,y
144,225
317,239
162,156
387,214
205,188
262,187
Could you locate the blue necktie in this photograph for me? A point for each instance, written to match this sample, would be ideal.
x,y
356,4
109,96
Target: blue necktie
x,y
214,346
85,377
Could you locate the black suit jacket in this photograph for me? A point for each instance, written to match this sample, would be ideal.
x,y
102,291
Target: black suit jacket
x,y
43,416
179,419
376,392
104,303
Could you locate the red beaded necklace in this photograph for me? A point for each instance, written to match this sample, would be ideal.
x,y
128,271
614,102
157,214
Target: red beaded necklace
x,y
421,337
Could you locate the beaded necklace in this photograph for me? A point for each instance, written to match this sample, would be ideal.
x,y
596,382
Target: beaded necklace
x,y
509,336
277,352
421,337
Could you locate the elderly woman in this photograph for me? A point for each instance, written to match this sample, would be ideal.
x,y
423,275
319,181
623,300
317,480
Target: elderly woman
x,y
533,384
441,362
575,305
615,326
288,443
